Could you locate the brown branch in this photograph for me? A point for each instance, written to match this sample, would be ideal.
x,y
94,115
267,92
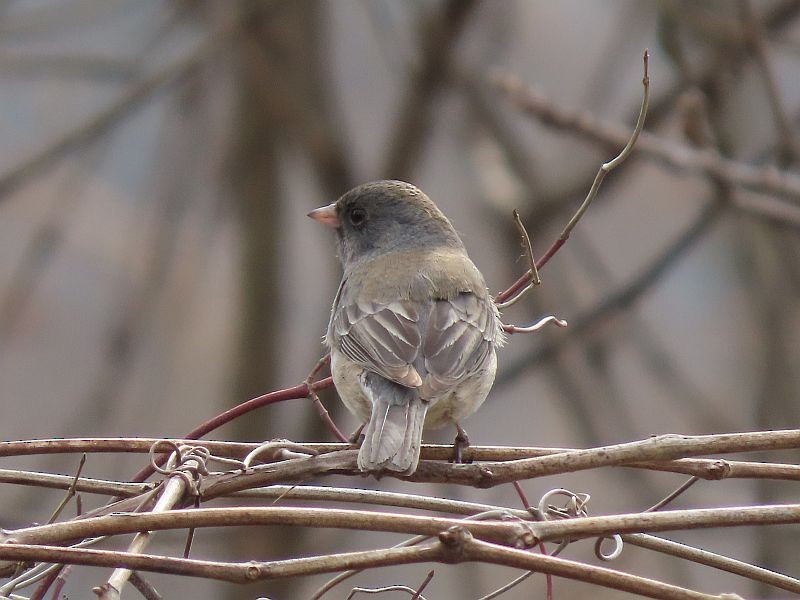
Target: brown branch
x,y
624,296
224,571
712,469
511,533
711,559
144,587
603,171
485,552
663,447
766,180
668,520
456,546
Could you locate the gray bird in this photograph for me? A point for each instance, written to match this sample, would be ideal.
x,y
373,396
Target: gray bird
x,y
413,329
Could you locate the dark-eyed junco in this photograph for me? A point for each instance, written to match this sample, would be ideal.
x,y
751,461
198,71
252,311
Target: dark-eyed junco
x,y
413,329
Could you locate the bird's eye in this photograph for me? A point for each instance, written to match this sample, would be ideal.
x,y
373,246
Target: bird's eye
x,y
358,216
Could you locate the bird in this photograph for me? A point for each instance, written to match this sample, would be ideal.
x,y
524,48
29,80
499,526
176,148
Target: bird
x,y
413,330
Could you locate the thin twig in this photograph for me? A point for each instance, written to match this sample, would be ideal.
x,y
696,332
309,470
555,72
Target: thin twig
x,y
70,492
418,594
604,170
532,270
673,495
381,590
144,587
623,297
536,326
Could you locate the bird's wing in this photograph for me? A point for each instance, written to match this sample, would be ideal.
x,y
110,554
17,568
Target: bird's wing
x,y
384,338
458,342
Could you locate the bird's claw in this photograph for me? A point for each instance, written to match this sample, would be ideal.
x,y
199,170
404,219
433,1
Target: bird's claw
x,y
460,444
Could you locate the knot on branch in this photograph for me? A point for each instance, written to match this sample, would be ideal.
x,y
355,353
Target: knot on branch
x,y
453,541
721,469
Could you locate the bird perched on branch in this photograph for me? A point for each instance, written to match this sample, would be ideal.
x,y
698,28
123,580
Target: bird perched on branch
x,y
413,329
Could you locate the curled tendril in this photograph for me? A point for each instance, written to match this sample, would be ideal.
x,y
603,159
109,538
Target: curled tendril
x,y
185,461
576,505
614,554
277,444
154,450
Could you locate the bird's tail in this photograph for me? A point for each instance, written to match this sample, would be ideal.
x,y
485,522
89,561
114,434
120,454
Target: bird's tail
x,y
393,435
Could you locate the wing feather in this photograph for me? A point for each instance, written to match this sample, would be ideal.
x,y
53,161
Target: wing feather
x,y
384,338
458,342
434,344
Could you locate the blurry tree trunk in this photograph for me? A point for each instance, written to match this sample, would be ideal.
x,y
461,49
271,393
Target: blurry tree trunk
x,y
776,404
256,186
439,34
272,103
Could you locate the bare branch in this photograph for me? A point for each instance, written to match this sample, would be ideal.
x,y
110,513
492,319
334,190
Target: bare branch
x,y
604,170
464,547
766,180
106,119
711,559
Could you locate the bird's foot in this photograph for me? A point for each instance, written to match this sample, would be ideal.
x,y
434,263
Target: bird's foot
x,y
357,437
460,444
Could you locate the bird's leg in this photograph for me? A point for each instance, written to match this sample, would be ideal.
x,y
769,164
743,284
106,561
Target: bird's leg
x,y
460,444
357,438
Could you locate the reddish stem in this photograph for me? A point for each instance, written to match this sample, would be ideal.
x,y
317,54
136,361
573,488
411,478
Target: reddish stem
x,y
292,393
46,583
526,278
527,505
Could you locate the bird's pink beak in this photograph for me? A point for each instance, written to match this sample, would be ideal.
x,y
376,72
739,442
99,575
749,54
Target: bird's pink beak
x,y
326,215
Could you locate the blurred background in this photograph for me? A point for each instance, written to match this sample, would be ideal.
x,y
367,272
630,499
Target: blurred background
x,y
158,158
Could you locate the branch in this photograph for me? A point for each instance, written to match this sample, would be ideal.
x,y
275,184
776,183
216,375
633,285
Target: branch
x,y
711,559
605,169
662,447
109,117
624,296
711,469
511,533
766,180
499,555
456,546
668,520
754,37
178,486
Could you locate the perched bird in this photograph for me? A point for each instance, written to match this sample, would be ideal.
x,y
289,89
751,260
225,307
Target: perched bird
x,y
413,329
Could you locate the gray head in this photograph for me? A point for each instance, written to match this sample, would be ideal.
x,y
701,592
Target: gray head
x,y
384,216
